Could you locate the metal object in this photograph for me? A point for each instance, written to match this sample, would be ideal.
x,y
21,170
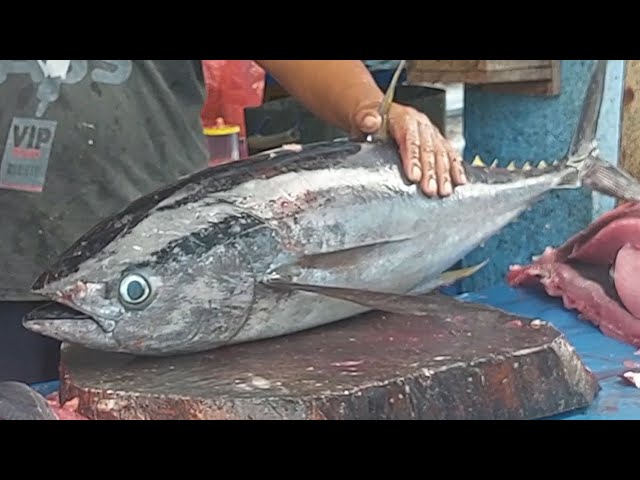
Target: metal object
x,y
387,101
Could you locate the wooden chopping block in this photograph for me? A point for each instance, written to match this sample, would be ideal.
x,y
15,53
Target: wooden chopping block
x,y
472,362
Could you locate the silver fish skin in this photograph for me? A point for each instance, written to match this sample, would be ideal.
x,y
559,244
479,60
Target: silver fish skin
x,y
18,401
269,246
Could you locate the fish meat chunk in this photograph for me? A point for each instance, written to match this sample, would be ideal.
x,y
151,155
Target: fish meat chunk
x,y
594,273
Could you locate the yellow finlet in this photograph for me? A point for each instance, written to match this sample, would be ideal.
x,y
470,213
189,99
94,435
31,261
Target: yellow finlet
x,y
511,166
542,165
495,163
453,276
477,162
527,166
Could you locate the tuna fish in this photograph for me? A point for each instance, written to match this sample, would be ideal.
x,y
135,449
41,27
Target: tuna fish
x,y
291,240
20,402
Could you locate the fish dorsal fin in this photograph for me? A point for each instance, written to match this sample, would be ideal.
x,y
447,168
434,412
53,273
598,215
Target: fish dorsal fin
x,y
583,143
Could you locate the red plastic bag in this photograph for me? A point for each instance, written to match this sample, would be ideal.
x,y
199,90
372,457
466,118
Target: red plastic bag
x,y
232,86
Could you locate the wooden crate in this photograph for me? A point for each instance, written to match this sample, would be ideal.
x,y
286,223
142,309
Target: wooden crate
x,y
528,77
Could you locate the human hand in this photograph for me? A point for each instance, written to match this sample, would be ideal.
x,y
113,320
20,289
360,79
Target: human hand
x,y
428,158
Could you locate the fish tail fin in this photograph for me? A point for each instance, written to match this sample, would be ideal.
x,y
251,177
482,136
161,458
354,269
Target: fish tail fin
x,y
584,138
609,179
584,162
584,145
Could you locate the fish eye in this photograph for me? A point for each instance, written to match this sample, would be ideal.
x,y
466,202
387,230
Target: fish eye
x,y
134,289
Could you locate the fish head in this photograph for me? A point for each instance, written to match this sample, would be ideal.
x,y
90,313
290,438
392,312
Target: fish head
x,y
152,309
128,286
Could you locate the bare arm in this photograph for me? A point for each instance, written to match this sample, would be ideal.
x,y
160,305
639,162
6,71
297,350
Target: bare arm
x,y
334,90
344,93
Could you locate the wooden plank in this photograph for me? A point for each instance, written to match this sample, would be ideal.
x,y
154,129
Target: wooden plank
x,y
464,361
550,87
630,127
493,65
524,77
474,65
443,65
480,76
479,71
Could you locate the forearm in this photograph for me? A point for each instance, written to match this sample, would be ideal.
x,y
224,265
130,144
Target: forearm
x,y
332,89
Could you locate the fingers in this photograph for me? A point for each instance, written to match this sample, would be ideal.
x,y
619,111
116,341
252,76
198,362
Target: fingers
x,y
428,158
370,123
410,152
431,161
367,121
442,166
456,166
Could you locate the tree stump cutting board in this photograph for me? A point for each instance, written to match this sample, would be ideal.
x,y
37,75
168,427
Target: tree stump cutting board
x,y
471,362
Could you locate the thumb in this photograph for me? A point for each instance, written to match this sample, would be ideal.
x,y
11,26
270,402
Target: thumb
x,y
368,121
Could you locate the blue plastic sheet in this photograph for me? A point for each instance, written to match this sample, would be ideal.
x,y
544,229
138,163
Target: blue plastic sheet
x,y
46,388
601,354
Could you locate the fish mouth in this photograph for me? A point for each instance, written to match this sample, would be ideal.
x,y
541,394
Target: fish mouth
x,y
42,281
67,324
64,304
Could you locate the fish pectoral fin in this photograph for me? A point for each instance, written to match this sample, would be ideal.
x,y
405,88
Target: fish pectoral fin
x,y
387,302
403,304
336,259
